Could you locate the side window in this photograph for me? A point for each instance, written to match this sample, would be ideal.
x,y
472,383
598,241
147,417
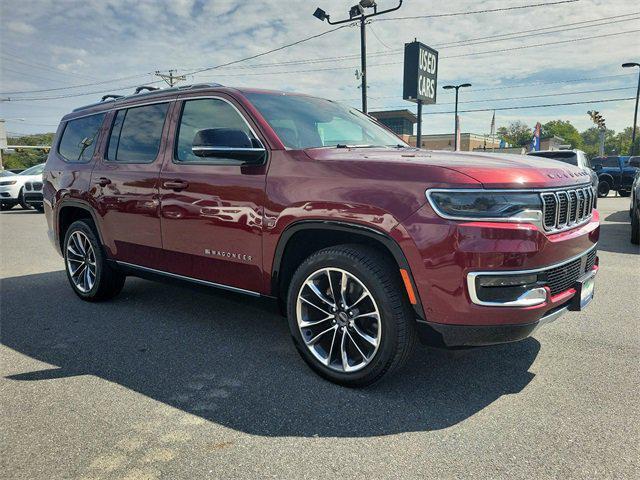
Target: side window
x,y
204,114
136,134
79,138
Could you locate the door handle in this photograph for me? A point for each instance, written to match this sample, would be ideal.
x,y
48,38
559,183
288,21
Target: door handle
x,y
175,185
103,181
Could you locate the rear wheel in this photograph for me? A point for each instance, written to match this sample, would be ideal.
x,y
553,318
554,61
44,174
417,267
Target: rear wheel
x,y
624,193
348,315
603,188
90,275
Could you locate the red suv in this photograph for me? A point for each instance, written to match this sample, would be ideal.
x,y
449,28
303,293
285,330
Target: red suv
x,y
369,244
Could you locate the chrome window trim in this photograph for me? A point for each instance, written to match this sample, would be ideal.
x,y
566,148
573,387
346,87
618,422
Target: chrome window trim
x,y
188,98
471,280
190,279
539,222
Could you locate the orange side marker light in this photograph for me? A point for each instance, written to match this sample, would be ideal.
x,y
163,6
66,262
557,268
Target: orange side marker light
x,y
408,286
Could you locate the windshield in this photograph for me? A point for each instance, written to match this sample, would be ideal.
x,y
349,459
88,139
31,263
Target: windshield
x,y
308,122
35,170
566,156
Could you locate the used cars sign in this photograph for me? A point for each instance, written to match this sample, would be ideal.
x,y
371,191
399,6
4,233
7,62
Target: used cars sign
x,y
420,73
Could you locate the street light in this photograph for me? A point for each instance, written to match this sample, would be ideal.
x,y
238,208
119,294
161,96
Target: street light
x,y
357,12
455,119
635,115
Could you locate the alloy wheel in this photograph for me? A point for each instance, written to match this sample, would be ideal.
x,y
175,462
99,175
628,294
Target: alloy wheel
x,y
338,319
81,261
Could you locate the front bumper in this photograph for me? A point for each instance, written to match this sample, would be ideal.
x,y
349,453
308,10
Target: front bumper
x,y
34,199
443,253
459,336
9,193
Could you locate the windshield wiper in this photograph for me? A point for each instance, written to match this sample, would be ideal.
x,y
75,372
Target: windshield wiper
x,y
342,145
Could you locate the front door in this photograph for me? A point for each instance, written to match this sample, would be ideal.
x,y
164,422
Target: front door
x,y
125,184
211,208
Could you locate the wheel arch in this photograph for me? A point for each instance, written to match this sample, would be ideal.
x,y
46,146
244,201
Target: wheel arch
x,y
304,237
68,212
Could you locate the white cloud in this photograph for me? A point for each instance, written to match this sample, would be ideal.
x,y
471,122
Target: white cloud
x,y
107,39
17,26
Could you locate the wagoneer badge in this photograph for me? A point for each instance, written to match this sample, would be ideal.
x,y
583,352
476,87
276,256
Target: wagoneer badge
x,y
218,253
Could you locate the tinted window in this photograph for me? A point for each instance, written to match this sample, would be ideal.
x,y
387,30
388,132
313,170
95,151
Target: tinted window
x,y
79,138
566,157
35,170
136,134
308,122
203,114
606,162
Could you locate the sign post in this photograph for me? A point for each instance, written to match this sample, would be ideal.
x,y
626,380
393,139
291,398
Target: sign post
x,y
420,78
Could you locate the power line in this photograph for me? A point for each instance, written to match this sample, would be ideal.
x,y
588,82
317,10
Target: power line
x,y
474,12
19,59
464,42
315,70
530,96
523,107
76,86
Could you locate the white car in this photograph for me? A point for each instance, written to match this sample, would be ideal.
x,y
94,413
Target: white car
x,y
12,187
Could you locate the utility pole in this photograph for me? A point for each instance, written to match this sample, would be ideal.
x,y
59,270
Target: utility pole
x,y
455,127
635,115
357,12
171,78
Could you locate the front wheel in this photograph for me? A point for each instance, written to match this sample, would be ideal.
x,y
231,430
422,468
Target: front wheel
x,y
603,188
348,315
88,272
21,201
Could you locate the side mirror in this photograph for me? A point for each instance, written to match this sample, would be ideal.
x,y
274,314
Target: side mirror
x,y
597,166
228,143
634,162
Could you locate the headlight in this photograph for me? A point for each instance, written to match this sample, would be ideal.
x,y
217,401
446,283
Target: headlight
x,y
486,205
10,182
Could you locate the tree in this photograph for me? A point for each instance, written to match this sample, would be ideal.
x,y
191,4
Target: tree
x,y
516,133
622,142
563,129
27,157
591,142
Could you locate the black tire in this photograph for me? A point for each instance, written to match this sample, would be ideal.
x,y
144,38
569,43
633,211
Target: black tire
x,y
380,276
108,281
39,209
624,193
603,188
21,201
6,206
635,226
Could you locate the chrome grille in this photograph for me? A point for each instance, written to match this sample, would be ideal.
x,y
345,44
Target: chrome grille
x,y
37,186
567,208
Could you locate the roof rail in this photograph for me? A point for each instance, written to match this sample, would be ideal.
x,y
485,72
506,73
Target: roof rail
x,y
105,97
145,87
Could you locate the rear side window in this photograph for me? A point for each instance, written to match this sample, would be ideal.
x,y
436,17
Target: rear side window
x,y
79,138
136,134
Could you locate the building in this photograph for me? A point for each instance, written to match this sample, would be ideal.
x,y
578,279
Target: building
x,y
468,142
400,122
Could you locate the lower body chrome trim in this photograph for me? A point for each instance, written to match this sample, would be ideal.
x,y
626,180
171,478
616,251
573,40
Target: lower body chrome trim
x,y
189,279
553,316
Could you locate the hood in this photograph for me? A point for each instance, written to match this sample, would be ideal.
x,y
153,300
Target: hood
x,y
492,170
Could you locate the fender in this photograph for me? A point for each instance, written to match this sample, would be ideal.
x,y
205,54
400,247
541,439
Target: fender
x,y
332,225
76,204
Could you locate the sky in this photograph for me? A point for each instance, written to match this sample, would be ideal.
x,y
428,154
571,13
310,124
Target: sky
x,y
578,49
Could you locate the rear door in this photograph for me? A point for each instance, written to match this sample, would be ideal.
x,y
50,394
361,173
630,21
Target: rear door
x,y
125,183
211,208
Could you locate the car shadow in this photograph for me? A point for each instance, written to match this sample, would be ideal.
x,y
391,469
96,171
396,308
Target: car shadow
x,y
230,360
19,211
615,234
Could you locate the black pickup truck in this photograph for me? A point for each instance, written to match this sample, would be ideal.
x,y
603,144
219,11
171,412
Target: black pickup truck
x,y
614,173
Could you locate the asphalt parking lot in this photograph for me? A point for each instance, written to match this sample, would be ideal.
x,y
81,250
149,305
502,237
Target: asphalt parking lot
x,y
167,382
